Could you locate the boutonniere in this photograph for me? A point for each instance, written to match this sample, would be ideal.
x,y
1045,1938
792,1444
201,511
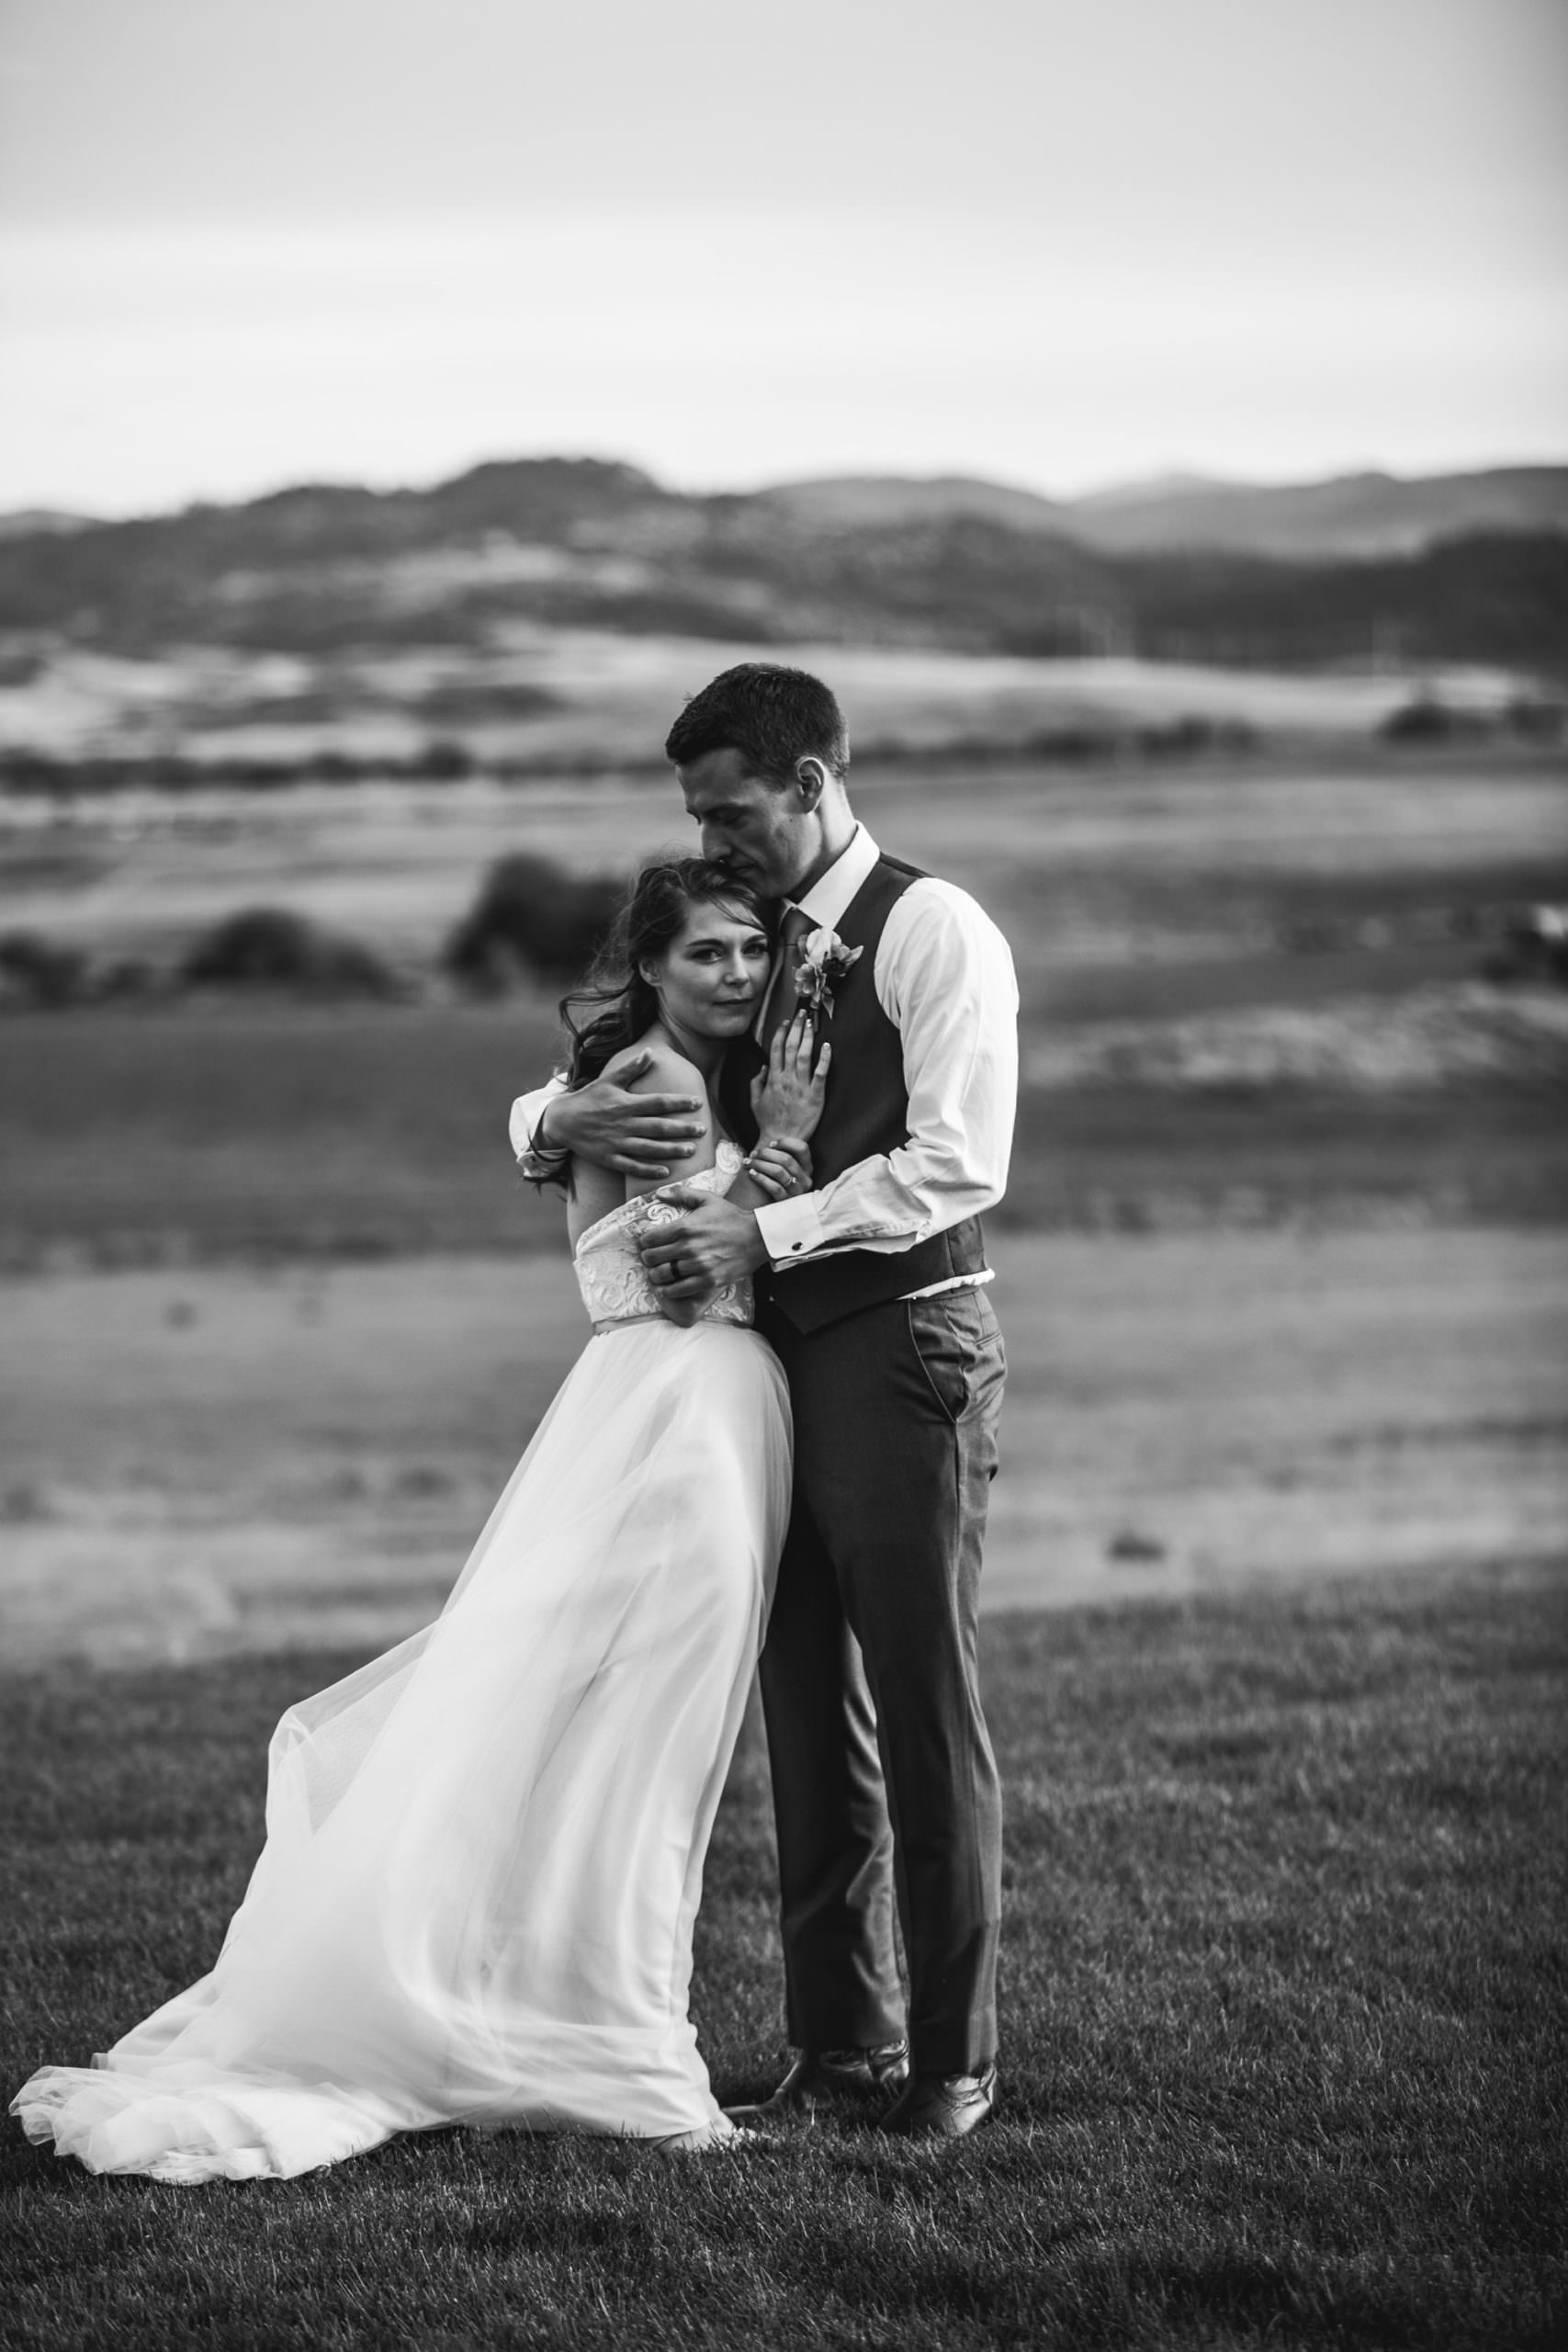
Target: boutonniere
x,y
823,962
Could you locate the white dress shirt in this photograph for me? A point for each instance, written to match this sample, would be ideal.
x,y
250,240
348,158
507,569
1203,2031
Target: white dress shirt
x,y
943,976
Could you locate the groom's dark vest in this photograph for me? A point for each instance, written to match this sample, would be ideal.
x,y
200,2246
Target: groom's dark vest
x,y
867,1114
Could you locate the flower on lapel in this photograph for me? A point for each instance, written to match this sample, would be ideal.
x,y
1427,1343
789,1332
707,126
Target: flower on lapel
x,y
823,962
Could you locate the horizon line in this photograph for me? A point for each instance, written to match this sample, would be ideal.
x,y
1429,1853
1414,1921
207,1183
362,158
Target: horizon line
x,y
1173,480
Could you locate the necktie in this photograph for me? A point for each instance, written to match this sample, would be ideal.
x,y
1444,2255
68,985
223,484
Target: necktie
x,y
791,936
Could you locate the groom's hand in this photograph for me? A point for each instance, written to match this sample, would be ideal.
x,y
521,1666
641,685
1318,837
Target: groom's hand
x,y
713,1245
636,1134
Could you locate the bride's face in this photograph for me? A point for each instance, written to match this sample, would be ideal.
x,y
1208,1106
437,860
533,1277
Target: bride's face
x,y
711,978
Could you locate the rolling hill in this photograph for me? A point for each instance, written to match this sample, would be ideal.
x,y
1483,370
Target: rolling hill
x,y
1352,517
1356,517
1463,567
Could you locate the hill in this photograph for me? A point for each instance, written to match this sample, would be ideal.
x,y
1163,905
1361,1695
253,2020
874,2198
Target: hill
x,y
1468,568
1357,516
1349,519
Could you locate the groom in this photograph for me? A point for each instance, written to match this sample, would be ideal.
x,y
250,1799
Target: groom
x,y
881,1767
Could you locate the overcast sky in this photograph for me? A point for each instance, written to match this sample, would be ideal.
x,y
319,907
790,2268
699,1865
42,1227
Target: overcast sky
x,y
249,242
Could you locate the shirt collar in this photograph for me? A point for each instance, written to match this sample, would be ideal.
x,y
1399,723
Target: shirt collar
x,y
827,900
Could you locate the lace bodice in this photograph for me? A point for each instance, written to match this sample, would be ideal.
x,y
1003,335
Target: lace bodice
x,y
609,1271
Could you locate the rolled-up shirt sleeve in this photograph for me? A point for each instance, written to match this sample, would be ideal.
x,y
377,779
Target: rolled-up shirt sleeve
x,y
526,1112
944,978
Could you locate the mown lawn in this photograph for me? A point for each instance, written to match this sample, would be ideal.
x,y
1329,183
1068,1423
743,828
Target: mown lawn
x,y
1285,2030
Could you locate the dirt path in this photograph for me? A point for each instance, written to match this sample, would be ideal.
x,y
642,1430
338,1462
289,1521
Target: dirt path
x,y
194,1462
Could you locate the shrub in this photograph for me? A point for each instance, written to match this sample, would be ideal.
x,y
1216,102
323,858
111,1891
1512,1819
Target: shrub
x,y
1534,949
1193,733
39,971
445,761
530,916
275,947
1536,721
1427,720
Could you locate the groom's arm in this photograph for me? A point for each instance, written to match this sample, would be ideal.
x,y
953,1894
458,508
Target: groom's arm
x,y
944,978
525,1130
642,1135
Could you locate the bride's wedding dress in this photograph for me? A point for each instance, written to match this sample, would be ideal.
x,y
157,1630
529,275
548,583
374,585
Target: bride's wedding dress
x,y
484,1849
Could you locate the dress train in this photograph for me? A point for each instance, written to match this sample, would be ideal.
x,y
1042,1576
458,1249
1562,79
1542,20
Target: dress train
x,y
484,1849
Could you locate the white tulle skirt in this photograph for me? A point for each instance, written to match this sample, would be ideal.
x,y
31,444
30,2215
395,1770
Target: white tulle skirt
x,y
484,1849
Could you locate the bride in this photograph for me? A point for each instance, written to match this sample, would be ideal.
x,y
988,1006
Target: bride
x,y
484,1849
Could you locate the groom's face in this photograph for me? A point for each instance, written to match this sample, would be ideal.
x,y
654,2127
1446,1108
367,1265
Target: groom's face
x,y
767,834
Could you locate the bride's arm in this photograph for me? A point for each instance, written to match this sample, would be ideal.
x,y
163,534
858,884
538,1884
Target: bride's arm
x,y
664,1072
669,1073
776,1169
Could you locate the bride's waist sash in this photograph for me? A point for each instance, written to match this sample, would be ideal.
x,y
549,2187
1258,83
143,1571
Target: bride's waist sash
x,y
726,1320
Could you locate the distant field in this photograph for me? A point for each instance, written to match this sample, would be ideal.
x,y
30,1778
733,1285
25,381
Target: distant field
x,y
1130,896
134,1138
1089,869
1242,1279
266,1133
210,1459
536,693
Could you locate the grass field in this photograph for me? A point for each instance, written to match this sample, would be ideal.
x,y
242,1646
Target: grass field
x,y
1285,2050
204,1459
278,1133
284,1350
536,693
1134,899
1285,2038
1094,865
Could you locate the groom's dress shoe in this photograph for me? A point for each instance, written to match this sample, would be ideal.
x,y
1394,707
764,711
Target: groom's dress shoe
x,y
843,2078
943,2107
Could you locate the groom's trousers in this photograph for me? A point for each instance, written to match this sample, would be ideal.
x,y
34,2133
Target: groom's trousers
x,y
885,1785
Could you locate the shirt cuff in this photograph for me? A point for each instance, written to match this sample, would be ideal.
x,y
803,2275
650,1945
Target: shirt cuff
x,y
526,1113
791,1228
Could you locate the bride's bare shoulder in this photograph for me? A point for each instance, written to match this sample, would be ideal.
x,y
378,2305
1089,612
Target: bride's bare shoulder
x,y
667,1072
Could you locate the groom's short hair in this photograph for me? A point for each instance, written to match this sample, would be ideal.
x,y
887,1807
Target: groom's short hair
x,y
773,717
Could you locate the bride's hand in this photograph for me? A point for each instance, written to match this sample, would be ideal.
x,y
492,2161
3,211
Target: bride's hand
x,y
787,1096
780,1166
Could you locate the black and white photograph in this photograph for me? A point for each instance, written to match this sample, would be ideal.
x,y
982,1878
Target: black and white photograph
x,y
784,1175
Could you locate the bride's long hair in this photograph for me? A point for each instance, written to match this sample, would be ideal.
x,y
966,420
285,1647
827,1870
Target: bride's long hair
x,y
615,1005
